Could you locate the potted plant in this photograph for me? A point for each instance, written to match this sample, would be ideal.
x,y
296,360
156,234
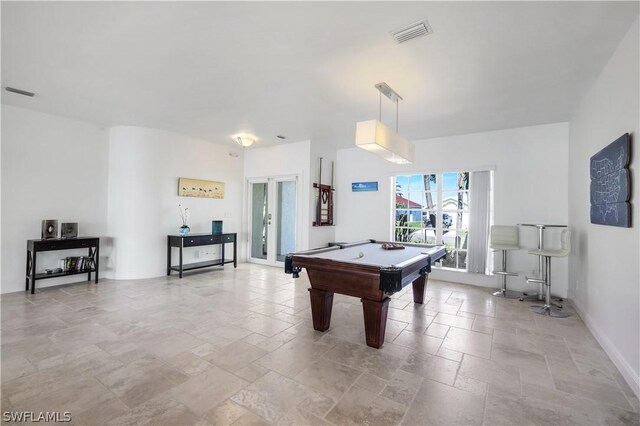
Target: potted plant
x,y
184,215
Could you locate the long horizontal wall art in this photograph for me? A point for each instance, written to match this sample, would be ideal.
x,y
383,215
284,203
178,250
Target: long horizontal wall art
x,y
200,188
611,184
364,186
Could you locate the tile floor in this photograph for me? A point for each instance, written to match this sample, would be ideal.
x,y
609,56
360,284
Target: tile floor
x,y
237,347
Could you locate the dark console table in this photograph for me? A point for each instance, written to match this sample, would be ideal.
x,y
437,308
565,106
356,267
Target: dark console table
x,y
35,246
196,240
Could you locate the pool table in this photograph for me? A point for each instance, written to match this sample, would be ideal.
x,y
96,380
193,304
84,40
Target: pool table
x,y
365,270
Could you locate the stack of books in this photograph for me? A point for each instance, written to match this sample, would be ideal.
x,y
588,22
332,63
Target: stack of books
x,y
78,263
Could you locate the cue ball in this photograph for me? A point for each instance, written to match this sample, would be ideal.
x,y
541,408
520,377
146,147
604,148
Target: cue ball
x,y
361,254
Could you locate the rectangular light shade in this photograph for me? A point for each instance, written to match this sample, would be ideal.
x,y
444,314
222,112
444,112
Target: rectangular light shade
x,y
377,138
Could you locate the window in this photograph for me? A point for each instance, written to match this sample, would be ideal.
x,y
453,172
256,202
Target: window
x,y
421,199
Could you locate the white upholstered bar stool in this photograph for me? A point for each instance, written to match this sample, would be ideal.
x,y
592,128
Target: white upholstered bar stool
x,y
565,250
504,239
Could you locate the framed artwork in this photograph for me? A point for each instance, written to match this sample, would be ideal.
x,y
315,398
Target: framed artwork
x,y
610,190
200,188
364,186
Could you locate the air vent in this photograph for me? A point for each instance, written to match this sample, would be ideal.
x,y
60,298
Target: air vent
x,y
409,32
19,92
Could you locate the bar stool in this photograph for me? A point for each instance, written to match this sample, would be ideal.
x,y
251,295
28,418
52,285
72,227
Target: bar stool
x,y
527,295
549,307
505,238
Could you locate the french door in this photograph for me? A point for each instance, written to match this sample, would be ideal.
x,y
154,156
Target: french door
x,y
273,224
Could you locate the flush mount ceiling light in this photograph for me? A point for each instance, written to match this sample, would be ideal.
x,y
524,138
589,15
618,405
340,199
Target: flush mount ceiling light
x,y
244,140
375,137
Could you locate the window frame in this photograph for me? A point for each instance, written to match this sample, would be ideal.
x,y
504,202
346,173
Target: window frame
x,y
438,194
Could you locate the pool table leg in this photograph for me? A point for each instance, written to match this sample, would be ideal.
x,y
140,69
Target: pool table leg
x,y
321,304
418,289
375,321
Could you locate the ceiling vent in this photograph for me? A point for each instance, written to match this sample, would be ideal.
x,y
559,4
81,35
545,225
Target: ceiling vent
x,y
409,32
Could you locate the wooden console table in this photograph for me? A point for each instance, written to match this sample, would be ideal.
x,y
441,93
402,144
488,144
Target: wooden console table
x,y
196,240
52,244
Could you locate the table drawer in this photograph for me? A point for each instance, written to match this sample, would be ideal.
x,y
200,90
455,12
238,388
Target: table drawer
x,y
228,238
58,244
199,240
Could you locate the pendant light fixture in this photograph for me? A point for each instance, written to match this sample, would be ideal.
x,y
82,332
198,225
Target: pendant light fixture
x,y
375,137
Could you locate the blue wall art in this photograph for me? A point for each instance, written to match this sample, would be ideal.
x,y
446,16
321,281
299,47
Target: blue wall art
x,y
364,186
611,184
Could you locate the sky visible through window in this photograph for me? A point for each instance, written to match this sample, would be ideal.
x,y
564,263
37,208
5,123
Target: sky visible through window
x,y
413,188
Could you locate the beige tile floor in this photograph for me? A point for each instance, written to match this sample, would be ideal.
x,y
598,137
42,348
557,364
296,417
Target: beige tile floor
x,y
237,347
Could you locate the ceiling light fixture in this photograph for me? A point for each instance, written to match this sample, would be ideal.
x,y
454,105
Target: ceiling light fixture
x,y
375,137
244,140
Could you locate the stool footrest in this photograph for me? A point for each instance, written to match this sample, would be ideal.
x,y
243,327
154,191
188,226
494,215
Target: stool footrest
x,y
535,280
509,274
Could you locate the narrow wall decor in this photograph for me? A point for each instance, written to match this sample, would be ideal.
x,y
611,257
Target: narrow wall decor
x,y
611,184
324,205
364,186
200,188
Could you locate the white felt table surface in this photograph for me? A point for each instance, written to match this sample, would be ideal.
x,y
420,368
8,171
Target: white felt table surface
x,y
374,255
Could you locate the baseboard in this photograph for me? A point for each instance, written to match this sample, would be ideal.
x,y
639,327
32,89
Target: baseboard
x,y
463,277
633,379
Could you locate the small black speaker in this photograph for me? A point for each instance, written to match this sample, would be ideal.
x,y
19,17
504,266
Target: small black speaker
x,y
49,229
69,230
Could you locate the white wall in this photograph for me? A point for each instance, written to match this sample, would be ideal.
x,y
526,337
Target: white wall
x,y
281,160
52,168
604,276
530,183
144,167
1,201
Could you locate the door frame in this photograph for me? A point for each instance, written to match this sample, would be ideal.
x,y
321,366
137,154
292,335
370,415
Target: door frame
x,y
272,182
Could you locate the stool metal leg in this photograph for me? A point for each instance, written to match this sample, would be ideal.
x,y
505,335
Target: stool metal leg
x,y
543,269
548,309
503,292
541,264
540,280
